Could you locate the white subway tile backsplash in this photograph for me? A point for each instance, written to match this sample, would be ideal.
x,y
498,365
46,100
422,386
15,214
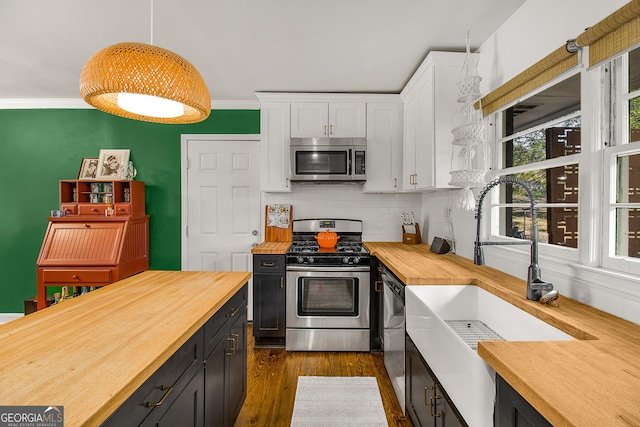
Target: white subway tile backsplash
x,y
380,213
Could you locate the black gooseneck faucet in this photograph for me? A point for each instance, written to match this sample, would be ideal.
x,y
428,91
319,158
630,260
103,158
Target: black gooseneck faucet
x,y
535,284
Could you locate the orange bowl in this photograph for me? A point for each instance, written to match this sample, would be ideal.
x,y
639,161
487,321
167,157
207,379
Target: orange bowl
x,y
327,239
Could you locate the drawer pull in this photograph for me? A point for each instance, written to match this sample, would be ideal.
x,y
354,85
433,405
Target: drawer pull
x,y
234,345
282,283
268,264
75,276
432,405
425,395
168,389
87,226
234,311
377,286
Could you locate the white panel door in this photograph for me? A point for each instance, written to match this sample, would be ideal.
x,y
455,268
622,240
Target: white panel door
x,y
221,213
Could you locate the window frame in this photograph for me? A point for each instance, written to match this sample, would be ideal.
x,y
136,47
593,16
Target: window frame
x,y
496,145
618,124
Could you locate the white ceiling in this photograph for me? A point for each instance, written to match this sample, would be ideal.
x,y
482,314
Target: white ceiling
x,y
242,46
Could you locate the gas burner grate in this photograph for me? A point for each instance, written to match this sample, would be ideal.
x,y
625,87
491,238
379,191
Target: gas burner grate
x,y
472,331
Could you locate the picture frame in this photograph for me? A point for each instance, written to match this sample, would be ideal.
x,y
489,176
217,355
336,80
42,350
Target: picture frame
x,y
88,168
111,162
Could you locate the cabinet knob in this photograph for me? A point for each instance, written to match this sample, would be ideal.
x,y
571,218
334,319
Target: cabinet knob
x,y
75,276
87,226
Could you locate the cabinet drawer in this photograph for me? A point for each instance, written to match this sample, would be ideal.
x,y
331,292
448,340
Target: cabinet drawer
x,y
220,322
174,373
71,208
76,276
268,264
123,208
91,209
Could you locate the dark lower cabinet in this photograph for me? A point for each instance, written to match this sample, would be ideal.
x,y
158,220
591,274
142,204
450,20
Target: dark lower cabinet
x,y
426,401
513,410
226,374
187,408
269,327
204,383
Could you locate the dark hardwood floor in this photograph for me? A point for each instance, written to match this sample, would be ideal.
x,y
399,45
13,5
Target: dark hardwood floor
x,y
273,376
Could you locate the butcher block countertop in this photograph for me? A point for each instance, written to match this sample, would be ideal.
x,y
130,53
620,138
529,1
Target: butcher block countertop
x,y
593,380
271,248
90,353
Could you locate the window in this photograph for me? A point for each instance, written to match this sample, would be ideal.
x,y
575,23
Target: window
x,y
541,145
622,167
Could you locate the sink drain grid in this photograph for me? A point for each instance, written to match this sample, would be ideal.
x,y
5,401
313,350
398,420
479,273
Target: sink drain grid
x,y
472,331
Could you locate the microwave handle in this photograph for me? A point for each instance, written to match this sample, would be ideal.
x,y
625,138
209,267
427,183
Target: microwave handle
x,y
350,162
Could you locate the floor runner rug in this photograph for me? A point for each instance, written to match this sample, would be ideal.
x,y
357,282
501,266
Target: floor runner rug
x,y
338,401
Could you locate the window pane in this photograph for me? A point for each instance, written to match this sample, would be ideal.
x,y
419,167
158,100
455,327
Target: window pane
x,y
628,232
557,140
557,226
559,100
634,70
628,183
634,119
553,185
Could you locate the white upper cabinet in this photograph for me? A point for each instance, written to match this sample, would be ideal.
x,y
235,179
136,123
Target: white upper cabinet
x,y
328,119
275,159
429,109
384,147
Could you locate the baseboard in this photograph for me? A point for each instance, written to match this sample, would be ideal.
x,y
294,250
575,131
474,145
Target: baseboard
x,y
7,317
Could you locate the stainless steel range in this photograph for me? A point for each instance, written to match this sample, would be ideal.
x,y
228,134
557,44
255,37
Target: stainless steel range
x,y
328,289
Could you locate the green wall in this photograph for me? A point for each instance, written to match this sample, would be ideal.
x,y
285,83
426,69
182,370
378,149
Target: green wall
x,y
41,147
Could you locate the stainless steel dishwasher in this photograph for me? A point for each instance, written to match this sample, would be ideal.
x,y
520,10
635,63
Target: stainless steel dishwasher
x,y
394,330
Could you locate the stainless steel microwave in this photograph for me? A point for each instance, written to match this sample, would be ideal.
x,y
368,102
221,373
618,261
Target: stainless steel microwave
x,y
328,159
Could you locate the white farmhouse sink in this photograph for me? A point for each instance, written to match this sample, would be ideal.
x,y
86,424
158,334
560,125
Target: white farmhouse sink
x,y
468,380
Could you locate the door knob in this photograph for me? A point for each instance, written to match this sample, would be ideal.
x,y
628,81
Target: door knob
x,y
254,233
254,244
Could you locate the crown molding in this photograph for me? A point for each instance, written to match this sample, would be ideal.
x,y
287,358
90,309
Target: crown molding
x,y
77,103
326,97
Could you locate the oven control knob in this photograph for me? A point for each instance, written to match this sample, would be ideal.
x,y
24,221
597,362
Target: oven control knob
x,y
300,260
345,260
311,260
356,260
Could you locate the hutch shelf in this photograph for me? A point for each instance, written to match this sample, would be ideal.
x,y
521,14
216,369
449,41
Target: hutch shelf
x,y
88,248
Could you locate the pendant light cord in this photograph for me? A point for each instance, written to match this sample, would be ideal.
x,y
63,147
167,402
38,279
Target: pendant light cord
x,y
151,22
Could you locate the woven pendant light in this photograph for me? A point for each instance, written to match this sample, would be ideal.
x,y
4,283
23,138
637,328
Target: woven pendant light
x,y
149,71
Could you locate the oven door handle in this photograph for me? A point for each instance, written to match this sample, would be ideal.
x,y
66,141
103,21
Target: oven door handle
x,y
328,269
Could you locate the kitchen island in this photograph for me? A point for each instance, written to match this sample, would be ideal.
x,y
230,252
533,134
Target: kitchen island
x,y
89,354
593,380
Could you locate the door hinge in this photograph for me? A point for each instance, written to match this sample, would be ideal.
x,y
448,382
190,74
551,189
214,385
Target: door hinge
x,y
186,231
188,163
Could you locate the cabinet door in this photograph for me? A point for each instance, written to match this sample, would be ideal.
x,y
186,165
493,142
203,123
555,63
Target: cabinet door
x,y
275,156
347,120
426,401
384,143
187,408
226,376
237,370
419,387
309,119
424,154
513,410
411,104
214,381
269,305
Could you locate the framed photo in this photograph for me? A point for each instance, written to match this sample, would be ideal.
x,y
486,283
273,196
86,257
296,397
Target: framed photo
x,y
88,168
111,162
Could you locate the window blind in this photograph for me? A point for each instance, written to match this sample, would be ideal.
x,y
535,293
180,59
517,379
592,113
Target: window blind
x,y
616,33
